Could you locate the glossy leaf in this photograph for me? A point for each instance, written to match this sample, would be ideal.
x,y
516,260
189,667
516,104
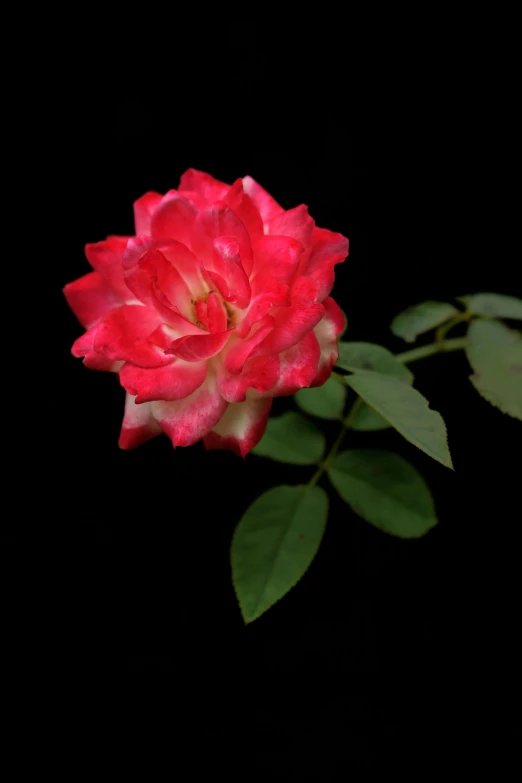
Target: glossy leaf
x,y
365,419
368,357
274,544
494,305
406,410
326,401
495,354
291,438
421,318
385,490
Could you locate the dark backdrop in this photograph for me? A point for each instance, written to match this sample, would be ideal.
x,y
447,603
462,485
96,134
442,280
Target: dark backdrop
x,y
137,576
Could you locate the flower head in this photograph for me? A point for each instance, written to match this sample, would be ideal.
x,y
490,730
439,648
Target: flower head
x,y
218,304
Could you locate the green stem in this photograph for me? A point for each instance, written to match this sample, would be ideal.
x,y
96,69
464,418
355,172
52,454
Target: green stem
x,y
443,329
455,344
337,442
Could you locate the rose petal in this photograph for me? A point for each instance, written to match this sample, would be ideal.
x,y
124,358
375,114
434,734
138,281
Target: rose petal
x,y
106,259
90,297
259,373
203,186
328,249
243,206
277,256
218,220
202,312
216,313
83,346
163,336
239,350
241,427
138,424
136,278
195,348
122,336
327,332
187,421
177,255
291,325
143,210
295,223
173,218
267,292
304,290
227,273
168,280
298,366
170,316
173,382
267,206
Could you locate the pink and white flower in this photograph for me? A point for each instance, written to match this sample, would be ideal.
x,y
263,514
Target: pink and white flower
x,y
218,304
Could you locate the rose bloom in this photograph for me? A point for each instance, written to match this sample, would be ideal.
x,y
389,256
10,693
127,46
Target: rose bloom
x,y
218,304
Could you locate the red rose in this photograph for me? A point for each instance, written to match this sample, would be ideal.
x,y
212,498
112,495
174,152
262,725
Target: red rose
x,y
218,304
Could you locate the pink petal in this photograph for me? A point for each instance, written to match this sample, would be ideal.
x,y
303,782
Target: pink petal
x,y
83,346
106,259
267,292
188,266
143,210
216,313
304,290
298,366
173,218
259,373
187,421
169,315
202,312
136,278
267,206
327,332
90,297
173,382
241,427
206,188
218,220
239,350
277,256
243,206
138,424
291,325
179,257
295,223
168,280
163,336
195,348
227,273
122,336
328,249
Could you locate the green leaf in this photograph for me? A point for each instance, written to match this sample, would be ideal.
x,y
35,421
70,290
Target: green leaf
x,y
421,318
385,490
495,354
365,419
368,357
326,401
291,438
274,543
406,410
495,305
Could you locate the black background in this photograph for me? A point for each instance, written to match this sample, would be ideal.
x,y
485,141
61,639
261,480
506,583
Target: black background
x,y
136,578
